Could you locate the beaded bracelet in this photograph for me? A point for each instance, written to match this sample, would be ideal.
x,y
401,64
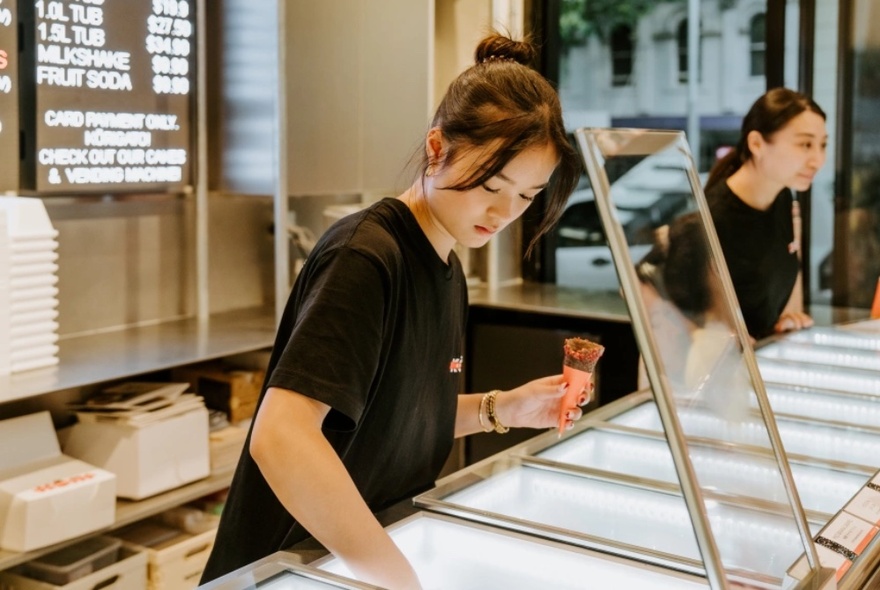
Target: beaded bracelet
x,y
490,412
480,414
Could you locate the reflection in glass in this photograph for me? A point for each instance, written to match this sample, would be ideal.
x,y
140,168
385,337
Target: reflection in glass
x,y
830,443
698,356
644,456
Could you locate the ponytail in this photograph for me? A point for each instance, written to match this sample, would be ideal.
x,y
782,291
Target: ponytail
x,y
723,168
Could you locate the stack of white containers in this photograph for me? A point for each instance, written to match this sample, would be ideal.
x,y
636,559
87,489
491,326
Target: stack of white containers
x,y
28,286
5,308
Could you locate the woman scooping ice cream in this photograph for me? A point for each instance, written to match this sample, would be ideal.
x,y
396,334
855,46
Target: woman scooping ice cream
x,y
362,398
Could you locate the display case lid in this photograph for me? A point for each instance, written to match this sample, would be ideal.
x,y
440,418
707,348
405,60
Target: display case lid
x,y
688,325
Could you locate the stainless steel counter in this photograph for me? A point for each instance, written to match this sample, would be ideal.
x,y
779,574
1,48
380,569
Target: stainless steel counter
x,y
550,299
119,354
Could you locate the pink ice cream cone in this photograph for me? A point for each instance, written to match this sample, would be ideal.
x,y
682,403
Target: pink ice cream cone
x,y
577,380
581,357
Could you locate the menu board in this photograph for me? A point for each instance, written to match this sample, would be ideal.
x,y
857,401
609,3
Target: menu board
x,y
113,85
9,159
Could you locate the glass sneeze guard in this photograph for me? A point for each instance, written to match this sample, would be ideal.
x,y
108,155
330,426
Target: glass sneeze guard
x,y
686,318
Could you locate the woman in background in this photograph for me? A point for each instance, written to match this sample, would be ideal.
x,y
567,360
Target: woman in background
x,y
781,148
362,397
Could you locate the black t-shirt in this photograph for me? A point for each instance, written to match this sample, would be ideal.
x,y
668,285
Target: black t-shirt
x,y
374,328
758,248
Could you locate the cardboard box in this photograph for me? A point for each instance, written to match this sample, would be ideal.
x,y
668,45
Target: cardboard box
x,y
226,446
174,563
47,497
129,573
233,391
166,452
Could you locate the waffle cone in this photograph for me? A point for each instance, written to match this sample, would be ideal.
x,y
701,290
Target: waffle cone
x,y
577,381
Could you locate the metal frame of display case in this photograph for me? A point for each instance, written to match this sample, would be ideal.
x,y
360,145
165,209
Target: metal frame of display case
x,y
596,145
264,571
637,398
434,500
694,566
813,516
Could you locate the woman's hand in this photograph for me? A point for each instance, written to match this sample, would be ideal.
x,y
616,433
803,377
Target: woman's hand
x,y
792,320
310,480
536,404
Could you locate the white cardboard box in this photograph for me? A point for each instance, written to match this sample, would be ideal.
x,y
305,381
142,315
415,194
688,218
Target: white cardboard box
x,y
129,573
149,458
47,497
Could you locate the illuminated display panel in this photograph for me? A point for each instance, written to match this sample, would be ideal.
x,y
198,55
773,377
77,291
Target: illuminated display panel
x,y
112,83
9,162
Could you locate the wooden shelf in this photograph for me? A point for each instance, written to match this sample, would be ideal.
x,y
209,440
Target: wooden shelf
x,y
86,360
105,357
128,512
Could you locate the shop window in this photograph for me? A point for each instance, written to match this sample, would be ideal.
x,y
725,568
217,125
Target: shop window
x,y
682,42
622,54
757,44
682,38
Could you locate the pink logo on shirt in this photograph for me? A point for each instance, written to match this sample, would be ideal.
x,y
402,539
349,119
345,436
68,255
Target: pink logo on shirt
x,y
456,364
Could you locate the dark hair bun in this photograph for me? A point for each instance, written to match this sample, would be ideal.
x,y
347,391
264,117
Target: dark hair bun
x,y
497,47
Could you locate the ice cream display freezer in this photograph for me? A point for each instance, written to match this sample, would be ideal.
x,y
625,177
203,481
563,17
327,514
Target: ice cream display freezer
x,y
611,486
600,506
637,521
603,504
836,358
738,468
751,469
450,553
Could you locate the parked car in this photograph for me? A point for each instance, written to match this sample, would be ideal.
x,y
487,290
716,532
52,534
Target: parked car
x,y
645,198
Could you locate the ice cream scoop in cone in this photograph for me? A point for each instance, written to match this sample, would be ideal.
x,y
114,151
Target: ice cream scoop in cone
x,y
581,356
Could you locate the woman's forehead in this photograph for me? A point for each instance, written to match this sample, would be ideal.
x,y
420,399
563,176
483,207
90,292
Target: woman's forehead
x,y
806,123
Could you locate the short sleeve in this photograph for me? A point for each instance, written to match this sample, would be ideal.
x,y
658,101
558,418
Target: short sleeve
x,y
333,351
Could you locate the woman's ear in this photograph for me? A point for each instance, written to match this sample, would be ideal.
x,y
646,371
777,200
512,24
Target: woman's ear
x,y
434,147
755,141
